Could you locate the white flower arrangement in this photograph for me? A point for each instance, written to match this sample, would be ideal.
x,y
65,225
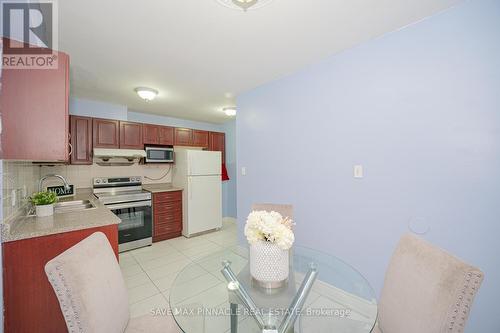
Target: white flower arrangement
x,y
269,227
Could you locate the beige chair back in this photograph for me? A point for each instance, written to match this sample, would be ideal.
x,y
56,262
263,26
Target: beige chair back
x,y
426,290
89,286
284,210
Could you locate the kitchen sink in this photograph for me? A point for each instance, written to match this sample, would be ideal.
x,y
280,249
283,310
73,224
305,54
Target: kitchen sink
x,y
74,205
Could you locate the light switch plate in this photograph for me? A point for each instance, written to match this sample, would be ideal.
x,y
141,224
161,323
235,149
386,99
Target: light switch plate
x,y
358,171
243,171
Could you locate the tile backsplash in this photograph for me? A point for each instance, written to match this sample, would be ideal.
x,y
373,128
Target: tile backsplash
x,y
81,175
20,180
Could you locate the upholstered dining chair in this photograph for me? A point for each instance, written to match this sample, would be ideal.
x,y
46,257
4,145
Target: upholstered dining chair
x,y
426,290
284,210
92,294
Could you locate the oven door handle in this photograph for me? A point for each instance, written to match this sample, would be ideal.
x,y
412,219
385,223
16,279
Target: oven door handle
x,y
130,205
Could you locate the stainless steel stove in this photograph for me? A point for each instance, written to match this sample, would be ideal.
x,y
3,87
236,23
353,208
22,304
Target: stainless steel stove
x,y
125,197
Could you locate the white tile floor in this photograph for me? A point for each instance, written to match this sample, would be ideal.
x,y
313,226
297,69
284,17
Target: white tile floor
x,y
149,272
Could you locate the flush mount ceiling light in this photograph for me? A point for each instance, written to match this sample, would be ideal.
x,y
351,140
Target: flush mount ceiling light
x,y
146,94
244,4
230,111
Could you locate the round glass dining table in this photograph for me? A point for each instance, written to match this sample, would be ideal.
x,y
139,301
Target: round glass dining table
x,y
216,294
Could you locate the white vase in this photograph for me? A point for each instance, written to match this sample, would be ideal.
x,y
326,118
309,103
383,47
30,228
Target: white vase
x,y
44,210
269,264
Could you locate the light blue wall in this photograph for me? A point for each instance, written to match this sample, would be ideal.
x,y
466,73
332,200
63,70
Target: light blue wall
x,y
176,122
420,110
91,108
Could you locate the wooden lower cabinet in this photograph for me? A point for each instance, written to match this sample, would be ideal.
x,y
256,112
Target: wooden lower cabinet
x,y
29,300
167,215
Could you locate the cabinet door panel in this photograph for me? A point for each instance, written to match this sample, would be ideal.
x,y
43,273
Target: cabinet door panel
x,y
106,133
167,196
217,143
34,108
200,138
183,137
166,135
151,134
167,212
168,222
81,140
165,207
131,135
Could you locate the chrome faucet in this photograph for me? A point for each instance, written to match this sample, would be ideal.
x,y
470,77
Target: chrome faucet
x,y
66,185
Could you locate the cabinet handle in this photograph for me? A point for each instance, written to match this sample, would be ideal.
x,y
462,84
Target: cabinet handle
x,y
70,149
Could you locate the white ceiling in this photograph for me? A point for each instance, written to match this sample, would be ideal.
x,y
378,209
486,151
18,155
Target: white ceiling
x,y
200,54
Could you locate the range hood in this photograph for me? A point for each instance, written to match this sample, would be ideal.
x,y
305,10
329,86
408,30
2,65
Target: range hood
x,y
118,157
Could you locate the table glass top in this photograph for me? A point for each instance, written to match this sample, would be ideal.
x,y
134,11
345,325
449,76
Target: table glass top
x,y
340,300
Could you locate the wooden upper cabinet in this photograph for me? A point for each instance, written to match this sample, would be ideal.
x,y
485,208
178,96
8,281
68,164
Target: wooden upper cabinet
x,y
217,142
158,135
131,135
151,135
200,138
81,140
166,135
183,137
34,108
106,133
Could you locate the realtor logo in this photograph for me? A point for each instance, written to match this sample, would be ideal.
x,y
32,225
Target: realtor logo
x,y
29,34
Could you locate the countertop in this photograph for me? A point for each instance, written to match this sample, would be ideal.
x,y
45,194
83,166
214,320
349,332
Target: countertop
x,y
163,187
25,227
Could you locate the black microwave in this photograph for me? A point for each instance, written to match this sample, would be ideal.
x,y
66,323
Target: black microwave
x,y
159,154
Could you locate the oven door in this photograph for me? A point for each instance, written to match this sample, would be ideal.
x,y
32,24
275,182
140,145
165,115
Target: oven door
x,y
159,155
137,222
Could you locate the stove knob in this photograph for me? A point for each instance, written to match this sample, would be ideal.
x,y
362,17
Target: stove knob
x,y
104,180
97,181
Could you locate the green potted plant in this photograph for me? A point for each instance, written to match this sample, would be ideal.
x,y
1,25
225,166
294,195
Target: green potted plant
x,y
44,203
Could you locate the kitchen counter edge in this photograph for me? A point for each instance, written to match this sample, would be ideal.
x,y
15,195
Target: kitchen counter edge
x,y
26,227
158,188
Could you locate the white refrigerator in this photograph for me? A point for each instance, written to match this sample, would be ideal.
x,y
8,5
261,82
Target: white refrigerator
x,y
198,172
